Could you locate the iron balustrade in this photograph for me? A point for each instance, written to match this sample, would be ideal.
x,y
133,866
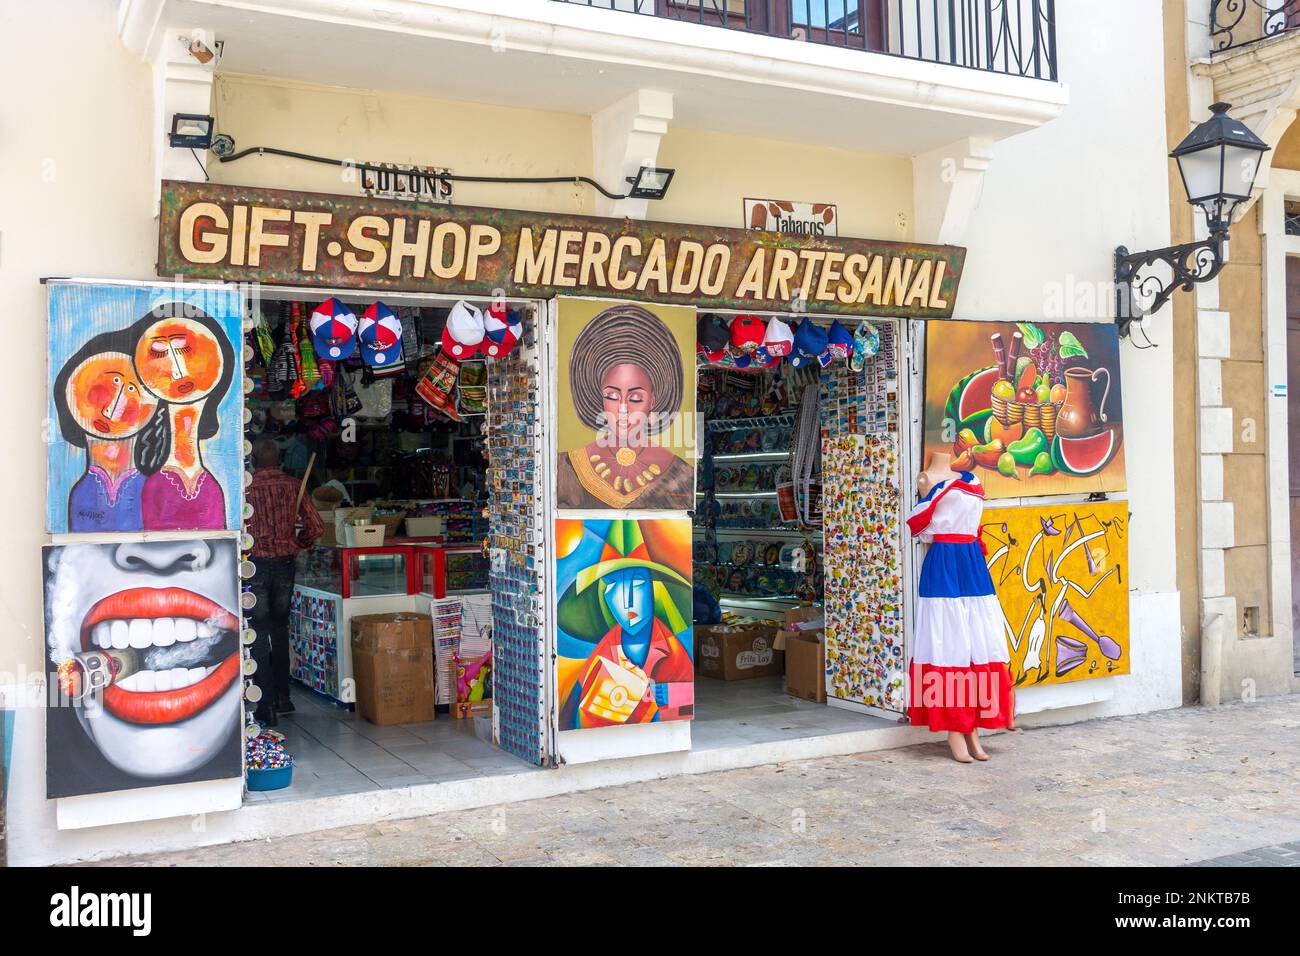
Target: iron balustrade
x,y
1014,37
1236,23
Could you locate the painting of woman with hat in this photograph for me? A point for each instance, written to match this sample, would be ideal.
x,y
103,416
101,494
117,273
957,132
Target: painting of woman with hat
x,y
627,378
624,616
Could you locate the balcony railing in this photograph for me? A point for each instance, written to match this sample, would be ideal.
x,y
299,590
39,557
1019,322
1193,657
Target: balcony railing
x,y
1016,37
1236,23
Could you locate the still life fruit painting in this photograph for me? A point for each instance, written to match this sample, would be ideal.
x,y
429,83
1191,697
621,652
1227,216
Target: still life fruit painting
x,y
1030,408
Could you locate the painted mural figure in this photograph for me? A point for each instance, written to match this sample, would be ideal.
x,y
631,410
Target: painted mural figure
x,y
102,408
141,381
142,640
629,614
187,364
626,377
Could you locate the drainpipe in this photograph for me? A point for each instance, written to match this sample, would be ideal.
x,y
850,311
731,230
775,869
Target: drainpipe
x,y
1211,660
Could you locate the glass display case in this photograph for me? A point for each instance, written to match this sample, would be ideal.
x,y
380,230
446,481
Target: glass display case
x,y
357,572
443,569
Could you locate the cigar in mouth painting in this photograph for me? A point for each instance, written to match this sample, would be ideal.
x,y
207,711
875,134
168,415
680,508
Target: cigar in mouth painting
x,y
143,660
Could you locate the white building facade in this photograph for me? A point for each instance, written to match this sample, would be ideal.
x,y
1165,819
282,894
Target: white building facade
x,y
1036,141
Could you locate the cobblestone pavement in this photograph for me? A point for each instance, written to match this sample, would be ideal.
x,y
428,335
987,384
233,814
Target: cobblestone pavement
x,y
1177,787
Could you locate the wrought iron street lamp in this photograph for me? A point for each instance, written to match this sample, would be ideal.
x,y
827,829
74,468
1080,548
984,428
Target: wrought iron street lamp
x,y
1218,161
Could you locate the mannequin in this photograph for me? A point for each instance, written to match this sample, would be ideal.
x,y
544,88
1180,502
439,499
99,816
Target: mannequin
x,y
937,469
960,680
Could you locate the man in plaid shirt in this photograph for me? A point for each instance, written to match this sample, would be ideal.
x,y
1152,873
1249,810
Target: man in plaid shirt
x,y
279,533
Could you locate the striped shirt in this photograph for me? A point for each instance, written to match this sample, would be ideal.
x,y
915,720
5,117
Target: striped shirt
x,y
272,493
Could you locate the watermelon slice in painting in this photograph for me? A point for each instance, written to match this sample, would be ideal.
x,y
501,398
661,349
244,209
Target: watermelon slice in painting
x,y
1084,456
971,399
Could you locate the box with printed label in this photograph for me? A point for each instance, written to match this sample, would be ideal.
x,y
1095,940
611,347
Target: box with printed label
x,y
737,651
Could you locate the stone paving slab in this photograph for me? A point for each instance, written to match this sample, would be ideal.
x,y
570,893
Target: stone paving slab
x,y
1184,787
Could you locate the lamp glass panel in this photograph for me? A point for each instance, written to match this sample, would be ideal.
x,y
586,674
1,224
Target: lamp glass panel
x,y
1240,166
652,180
1202,173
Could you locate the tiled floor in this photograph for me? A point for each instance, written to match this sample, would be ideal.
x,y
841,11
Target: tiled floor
x,y
336,752
731,713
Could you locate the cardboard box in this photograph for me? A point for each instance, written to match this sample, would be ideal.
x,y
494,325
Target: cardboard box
x,y
392,663
805,665
738,652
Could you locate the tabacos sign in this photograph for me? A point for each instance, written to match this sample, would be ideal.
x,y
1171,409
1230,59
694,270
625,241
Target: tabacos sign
x,y
782,215
237,233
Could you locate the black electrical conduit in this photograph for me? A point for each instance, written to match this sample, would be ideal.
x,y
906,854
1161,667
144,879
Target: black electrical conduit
x,y
444,177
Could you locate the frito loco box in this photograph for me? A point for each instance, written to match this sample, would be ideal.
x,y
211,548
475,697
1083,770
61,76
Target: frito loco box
x,y
738,651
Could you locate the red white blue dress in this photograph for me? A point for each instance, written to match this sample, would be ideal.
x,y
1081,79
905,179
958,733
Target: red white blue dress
x,y
959,676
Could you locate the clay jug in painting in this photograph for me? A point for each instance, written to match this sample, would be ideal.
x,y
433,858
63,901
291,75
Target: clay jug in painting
x,y
1083,413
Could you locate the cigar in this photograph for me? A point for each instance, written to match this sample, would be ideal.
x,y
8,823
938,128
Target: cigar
x,y
999,352
98,669
1014,354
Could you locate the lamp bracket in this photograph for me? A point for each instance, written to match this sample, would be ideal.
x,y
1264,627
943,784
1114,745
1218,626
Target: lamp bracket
x,y
1140,292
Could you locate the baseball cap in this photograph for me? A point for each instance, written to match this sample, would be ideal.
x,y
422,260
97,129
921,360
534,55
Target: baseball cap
x,y
712,337
380,332
333,330
464,332
778,341
840,341
501,330
747,333
810,341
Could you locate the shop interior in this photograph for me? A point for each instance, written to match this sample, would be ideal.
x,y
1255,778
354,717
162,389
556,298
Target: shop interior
x,y
759,553
396,462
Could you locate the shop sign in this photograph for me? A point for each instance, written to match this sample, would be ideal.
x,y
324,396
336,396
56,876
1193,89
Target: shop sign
x,y
801,218
409,183
240,233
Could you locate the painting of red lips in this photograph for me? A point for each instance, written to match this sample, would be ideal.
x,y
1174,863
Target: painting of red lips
x,y
159,622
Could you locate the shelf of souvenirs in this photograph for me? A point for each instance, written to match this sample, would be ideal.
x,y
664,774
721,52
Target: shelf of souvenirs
x,y
779,420
769,609
737,494
753,456
740,534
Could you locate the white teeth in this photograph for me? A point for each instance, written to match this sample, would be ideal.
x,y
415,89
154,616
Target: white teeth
x,y
205,629
141,633
120,633
178,678
164,632
186,629
103,635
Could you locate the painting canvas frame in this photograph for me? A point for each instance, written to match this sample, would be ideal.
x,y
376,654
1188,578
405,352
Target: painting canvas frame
x,y
612,576
1031,408
143,405
616,359
167,613
1061,575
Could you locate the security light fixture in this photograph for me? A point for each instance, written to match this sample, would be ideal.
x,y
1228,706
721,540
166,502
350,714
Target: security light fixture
x,y
650,182
1219,161
191,131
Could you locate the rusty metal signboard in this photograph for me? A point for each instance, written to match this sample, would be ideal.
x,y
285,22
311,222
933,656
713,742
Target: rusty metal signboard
x,y
238,233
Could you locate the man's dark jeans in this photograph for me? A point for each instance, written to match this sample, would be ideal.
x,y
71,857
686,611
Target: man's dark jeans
x,y
273,585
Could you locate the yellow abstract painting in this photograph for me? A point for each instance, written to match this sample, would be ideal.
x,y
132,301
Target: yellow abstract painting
x,y
1061,576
